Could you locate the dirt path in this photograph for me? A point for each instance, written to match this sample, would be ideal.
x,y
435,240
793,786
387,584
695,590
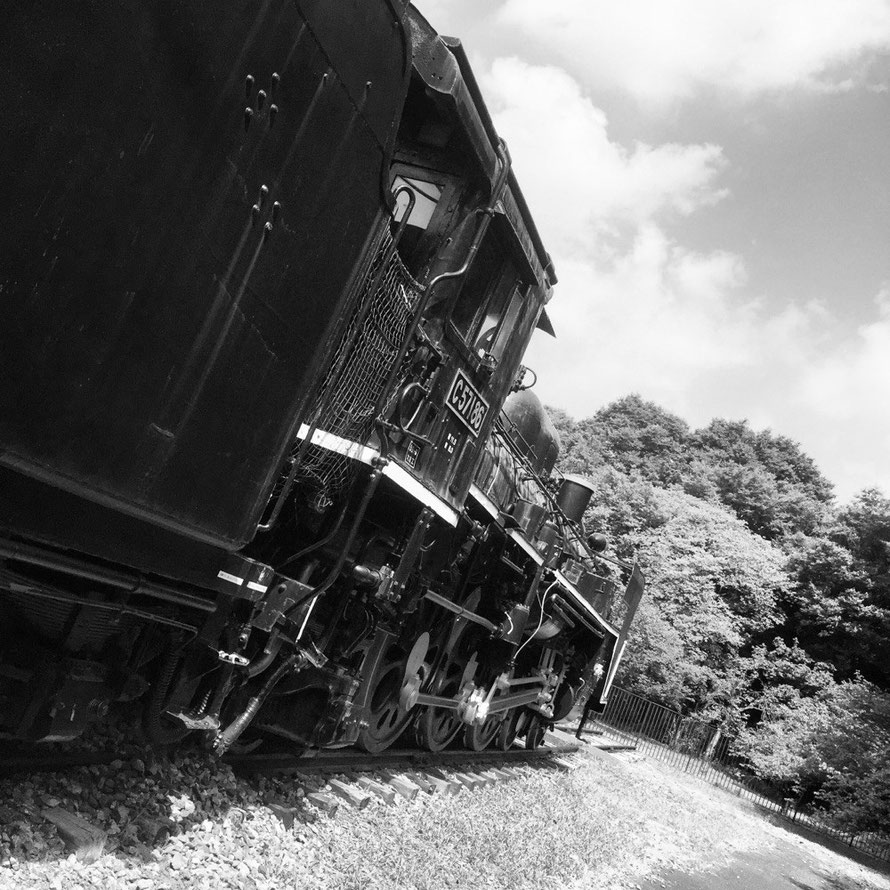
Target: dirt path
x,y
782,868
779,859
715,840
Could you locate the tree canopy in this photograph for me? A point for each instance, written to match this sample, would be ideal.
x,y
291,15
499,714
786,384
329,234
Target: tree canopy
x,y
768,605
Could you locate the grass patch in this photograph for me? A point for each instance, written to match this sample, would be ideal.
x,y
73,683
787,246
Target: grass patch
x,y
550,830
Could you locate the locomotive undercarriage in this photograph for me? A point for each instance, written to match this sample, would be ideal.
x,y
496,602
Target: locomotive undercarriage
x,y
73,647
429,663
414,638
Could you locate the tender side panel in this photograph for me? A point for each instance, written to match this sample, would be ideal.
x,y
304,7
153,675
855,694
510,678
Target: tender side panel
x,y
157,344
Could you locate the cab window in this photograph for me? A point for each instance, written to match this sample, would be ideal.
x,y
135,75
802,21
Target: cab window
x,y
494,340
486,296
435,199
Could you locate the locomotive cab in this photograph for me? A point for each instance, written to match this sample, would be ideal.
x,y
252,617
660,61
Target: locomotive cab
x,y
470,242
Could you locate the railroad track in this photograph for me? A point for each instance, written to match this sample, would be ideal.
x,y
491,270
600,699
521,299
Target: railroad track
x,y
325,780
321,761
358,761
27,764
362,777
146,798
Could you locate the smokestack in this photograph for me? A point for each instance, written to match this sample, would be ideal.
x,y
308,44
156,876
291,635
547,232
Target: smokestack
x,y
574,496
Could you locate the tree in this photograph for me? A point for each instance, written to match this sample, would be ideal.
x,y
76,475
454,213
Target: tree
x,y
856,751
783,458
766,479
710,583
581,450
826,606
641,439
863,530
767,609
831,747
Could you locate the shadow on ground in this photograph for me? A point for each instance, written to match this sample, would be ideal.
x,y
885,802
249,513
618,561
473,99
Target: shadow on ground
x,y
826,881
136,802
833,844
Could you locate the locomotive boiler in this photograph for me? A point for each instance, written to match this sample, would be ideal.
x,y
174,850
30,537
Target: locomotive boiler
x,y
269,464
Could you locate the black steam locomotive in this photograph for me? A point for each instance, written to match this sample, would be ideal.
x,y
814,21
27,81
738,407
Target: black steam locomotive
x,y
268,460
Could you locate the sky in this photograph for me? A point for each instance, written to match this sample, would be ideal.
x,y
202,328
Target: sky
x,y
712,180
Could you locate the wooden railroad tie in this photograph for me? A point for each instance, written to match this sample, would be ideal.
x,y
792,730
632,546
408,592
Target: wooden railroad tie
x,y
566,766
403,785
86,841
436,775
422,782
386,794
442,786
468,781
349,793
327,803
482,780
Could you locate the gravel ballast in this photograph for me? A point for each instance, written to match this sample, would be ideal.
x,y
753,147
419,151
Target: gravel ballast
x,y
194,823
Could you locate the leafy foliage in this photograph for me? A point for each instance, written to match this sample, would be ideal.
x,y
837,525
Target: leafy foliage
x,y
767,608
709,580
857,789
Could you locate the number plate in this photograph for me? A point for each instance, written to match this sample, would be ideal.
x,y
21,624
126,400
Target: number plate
x,y
466,403
412,452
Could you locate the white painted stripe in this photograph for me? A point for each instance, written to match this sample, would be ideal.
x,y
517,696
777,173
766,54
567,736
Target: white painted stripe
x,y
261,588
306,619
227,577
526,546
484,501
407,482
330,442
392,470
613,669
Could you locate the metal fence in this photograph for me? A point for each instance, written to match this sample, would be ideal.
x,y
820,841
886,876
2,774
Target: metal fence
x,y
704,750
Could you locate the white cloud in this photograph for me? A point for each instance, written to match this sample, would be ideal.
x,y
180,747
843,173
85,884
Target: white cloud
x,y
636,311
662,312
661,51
678,328
845,392
662,320
655,315
578,182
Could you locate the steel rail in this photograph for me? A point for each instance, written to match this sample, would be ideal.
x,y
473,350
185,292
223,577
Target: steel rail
x,y
318,761
405,759
56,762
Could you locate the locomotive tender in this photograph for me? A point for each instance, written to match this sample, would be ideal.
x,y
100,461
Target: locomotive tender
x,y
268,462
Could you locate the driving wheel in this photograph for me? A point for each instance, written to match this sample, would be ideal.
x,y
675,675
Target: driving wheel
x,y
534,735
436,728
386,719
478,738
510,728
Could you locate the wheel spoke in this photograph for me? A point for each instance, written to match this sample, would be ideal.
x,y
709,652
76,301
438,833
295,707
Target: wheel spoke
x,y
387,721
477,738
509,729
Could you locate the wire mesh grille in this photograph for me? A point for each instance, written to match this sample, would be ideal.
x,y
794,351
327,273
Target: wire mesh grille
x,y
361,363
